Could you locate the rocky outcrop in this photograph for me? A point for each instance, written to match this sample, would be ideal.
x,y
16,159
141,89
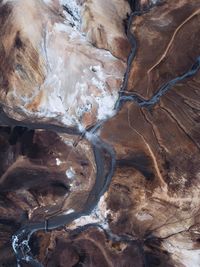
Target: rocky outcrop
x,y
104,23
50,69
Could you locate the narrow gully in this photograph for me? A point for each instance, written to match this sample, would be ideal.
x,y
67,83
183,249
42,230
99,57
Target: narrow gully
x,y
137,10
162,90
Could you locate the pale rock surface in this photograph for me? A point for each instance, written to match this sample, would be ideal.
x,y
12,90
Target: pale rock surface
x,y
104,23
51,71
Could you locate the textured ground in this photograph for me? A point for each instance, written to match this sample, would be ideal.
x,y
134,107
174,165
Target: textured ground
x,y
150,214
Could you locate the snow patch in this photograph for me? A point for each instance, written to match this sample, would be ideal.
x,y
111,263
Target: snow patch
x,y
70,173
61,27
99,84
69,211
106,105
154,2
98,215
47,1
143,216
187,257
98,71
72,12
58,162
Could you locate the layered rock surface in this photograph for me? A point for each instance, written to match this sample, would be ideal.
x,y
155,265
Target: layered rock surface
x,y
149,215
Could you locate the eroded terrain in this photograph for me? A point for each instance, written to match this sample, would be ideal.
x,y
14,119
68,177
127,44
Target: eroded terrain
x,y
99,136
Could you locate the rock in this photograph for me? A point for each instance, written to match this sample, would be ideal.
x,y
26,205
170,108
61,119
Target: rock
x,y
104,24
49,68
154,195
92,249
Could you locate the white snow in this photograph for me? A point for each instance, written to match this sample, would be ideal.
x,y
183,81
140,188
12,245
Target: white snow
x,y
190,258
187,257
15,243
61,27
154,1
75,10
99,72
70,173
58,162
69,211
99,84
53,85
106,105
55,104
143,216
47,1
98,215
74,7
